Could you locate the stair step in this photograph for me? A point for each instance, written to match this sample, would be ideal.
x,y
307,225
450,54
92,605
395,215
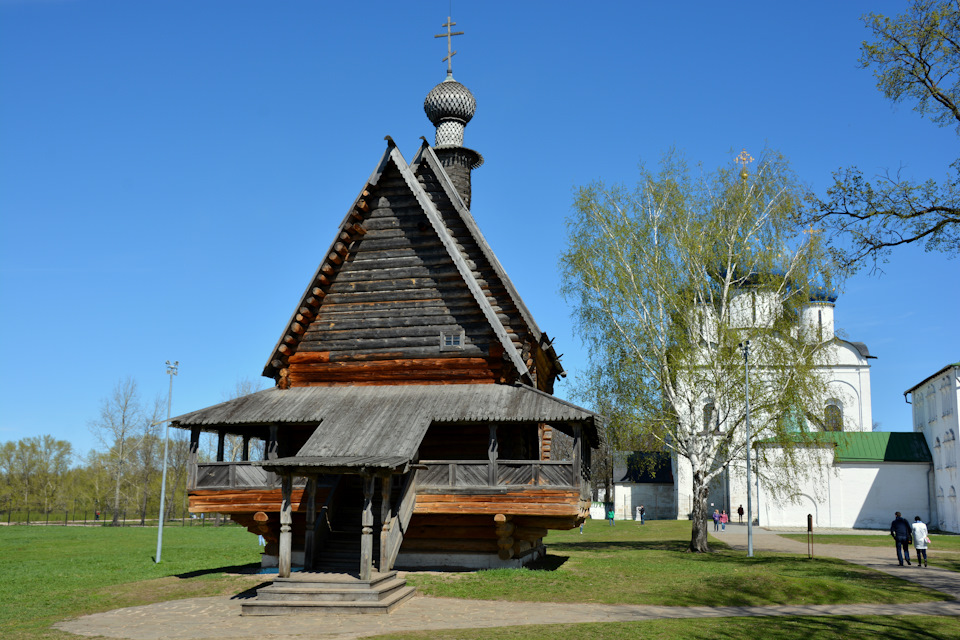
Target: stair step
x,y
328,593
340,579
284,607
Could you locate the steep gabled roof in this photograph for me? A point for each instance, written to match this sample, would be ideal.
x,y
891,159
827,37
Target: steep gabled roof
x,y
426,156
351,229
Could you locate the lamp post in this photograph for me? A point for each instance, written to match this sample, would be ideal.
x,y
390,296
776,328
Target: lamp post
x,y
745,346
171,371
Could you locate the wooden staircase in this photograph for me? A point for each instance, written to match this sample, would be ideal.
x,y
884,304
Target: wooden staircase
x,y
340,593
334,584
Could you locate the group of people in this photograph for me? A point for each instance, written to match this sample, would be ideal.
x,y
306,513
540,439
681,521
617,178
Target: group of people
x,y
904,534
720,518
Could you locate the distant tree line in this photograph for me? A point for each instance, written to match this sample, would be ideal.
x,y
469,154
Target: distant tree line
x,y
120,479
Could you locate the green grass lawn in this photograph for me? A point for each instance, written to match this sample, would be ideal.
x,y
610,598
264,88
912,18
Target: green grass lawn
x,y
798,628
55,573
52,573
630,564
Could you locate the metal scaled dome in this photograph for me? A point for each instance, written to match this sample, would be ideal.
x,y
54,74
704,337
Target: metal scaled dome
x,y
449,100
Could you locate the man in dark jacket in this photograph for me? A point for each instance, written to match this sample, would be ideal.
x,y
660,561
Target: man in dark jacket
x,y
900,530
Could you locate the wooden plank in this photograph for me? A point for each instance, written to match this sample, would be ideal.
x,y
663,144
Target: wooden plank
x,y
494,508
567,497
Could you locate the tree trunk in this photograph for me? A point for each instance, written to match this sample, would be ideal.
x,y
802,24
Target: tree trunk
x,y
116,494
698,518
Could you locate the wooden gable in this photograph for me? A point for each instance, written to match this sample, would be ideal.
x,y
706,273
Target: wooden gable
x,y
534,346
405,295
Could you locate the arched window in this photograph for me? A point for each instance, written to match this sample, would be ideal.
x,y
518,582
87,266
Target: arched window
x,y
833,417
792,420
710,417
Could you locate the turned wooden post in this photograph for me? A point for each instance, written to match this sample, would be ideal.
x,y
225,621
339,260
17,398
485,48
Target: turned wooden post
x,y
385,521
309,537
192,462
493,448
245,454
221,436
366,533
286,520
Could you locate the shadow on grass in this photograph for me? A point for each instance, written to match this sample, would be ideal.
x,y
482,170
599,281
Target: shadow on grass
x,y
548,562
244,569
632,545
895,628
951,563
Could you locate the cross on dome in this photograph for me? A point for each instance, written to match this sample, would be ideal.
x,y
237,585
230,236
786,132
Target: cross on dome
x,y
449,36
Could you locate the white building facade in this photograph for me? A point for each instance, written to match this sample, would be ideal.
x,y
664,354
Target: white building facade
x,y
935,403
852,477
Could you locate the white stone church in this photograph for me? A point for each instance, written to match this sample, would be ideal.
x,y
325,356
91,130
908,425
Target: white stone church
x,y
862,478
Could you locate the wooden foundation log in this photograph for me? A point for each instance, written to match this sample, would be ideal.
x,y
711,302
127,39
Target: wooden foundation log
x,y
522,546
529,533
504,541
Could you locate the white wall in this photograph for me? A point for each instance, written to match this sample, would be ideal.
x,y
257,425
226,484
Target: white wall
x,y
657,499
852,495
936,405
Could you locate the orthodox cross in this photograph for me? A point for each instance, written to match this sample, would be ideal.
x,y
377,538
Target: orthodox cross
x,y
449,35
744,159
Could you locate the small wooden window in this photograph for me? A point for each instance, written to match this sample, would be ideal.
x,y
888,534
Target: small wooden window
x,y
452,341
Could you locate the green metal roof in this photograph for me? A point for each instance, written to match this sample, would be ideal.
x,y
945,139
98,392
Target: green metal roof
x,y
879,446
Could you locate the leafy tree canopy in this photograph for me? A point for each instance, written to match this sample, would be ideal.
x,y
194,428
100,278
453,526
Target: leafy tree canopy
x,y
915,58
667,278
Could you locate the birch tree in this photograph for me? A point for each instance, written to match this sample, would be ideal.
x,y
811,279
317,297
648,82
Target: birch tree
x,y
666,280
120,429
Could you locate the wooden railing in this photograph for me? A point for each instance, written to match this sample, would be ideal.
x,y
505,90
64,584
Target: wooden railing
x,y
393,538
236,475
498,473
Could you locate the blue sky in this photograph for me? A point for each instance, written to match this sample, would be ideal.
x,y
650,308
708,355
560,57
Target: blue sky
x,y
171,172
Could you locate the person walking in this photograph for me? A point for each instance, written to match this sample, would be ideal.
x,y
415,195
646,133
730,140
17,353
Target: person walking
x,y
610,514
716,520
642,513
900,530
920,540
740,513
723,520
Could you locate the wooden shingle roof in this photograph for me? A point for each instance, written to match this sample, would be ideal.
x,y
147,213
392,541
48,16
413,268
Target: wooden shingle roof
x,y
388,422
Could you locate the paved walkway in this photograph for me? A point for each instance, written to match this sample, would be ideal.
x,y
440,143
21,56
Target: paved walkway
x,y
199,618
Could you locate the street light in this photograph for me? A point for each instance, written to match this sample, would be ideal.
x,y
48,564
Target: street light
x,y
745,346
171,371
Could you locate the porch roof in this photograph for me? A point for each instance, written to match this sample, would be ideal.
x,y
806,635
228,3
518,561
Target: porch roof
x,y
381,426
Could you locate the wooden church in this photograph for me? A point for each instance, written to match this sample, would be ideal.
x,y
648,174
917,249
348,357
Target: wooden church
x,y
412,417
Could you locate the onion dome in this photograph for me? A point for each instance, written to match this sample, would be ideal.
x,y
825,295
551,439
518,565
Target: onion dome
x,y
450,106
824,294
